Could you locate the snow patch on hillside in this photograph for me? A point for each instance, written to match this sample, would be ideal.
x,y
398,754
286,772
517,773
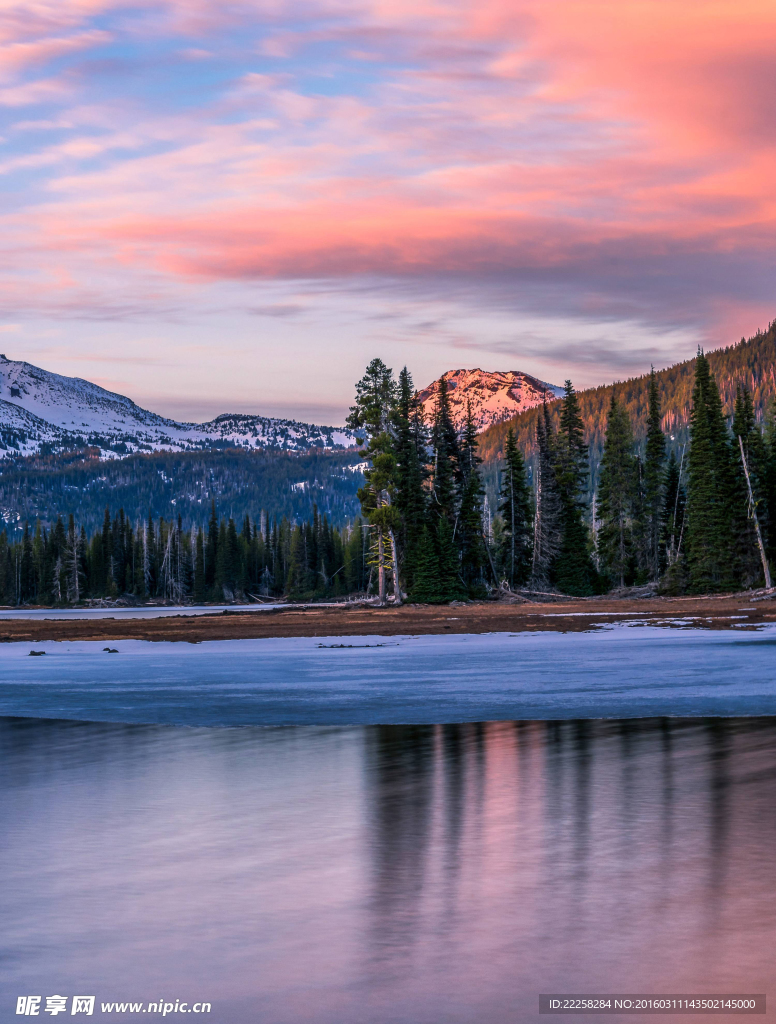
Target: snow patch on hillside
x,y
39,408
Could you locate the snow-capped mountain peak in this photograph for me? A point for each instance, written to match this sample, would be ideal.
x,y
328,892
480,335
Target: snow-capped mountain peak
x,y
39,408
493,397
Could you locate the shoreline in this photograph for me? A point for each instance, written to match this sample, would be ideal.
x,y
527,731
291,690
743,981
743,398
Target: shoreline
x,y
575,615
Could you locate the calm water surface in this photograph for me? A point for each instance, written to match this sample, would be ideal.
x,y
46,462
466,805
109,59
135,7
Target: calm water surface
x,y
386,873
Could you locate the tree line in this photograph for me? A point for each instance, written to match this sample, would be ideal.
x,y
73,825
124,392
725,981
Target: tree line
x,y
751,361
699,518
424,499
698,522
160,560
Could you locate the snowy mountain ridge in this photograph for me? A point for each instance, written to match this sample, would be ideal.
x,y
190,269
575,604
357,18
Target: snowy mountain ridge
x,y
493,397
42,411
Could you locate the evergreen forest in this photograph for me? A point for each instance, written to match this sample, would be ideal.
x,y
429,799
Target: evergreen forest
x,y
575,510
750,362
160,560
697,517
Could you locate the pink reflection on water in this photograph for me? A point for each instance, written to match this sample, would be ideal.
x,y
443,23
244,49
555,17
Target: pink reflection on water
x,y
387,873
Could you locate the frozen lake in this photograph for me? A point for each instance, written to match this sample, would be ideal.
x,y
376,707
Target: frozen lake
x,y
622,671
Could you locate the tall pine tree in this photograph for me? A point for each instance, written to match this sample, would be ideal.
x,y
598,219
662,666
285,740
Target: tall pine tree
x,y
653,480
374,414
617,497
673,516
711,492
573,571
199,568
410,444
515,552
426,584
447,459
470,531
444,495
548,516
745,426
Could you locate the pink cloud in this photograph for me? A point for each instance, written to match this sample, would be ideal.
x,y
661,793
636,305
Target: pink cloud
x,y
18,56
44,90
519,136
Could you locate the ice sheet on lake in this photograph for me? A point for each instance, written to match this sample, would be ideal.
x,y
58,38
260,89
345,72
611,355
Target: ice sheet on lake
x,y
620,671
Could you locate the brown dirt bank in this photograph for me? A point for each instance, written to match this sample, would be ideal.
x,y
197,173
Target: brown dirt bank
x,y
485,617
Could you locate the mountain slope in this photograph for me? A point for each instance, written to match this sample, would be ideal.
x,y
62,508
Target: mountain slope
x,y
42,411
173,484
752,362
493,397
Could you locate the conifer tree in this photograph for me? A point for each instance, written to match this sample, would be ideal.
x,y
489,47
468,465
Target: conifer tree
x,y
26,570
376,501
233,555
150,558
617,496
74,565
199,568
674,520
211,550
246,533
58,556
673,517
443,509
447,459
515,511
223,568
120,550
373,413
449,564
7,581
410,444
470,531
82,565
711,495
355,558
299,582
769,483
745,427
654,478
138,563
548,517
40,563
573,571
106,582
426,586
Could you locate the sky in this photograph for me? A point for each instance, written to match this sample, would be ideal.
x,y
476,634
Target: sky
x,y
233,206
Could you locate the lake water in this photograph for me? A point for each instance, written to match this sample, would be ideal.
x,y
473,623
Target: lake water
x,y
385,874
343,867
